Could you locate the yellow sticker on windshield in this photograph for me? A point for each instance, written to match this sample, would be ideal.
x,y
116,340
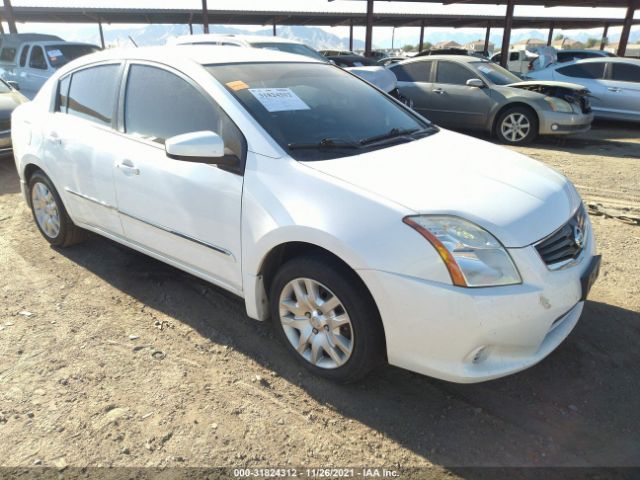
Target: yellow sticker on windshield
x,y
237,85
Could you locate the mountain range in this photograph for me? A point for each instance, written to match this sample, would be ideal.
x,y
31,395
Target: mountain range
x,y
315,37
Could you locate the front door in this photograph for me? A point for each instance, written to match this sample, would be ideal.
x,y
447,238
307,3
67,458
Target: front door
x,y
455,103
187,212
35,73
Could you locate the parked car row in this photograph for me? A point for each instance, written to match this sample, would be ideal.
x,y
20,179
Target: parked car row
x,y
365,232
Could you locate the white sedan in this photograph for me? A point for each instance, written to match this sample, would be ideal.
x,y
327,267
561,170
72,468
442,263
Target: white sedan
x,y
365,242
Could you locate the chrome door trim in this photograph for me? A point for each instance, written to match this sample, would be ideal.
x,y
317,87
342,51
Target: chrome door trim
x,y
179,234
91,199
155,225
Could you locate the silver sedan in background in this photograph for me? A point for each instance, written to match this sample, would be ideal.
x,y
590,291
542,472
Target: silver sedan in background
x,y
470,93
614,84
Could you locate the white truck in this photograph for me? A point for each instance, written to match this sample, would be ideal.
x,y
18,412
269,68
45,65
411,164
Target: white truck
x,y
29,59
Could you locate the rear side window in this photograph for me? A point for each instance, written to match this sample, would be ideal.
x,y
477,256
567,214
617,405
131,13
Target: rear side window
x,y
23,55
8,54
160,105
37,59
514,56
624,72
453,73
583,70
413,72
93,92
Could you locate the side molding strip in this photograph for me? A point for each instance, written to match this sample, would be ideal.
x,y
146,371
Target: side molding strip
x,y
155,225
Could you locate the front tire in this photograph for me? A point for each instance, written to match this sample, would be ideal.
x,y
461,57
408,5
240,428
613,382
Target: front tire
x,y
50,215
327,318
517,126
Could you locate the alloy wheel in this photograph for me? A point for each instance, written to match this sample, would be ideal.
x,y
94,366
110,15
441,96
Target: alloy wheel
x,y
515,127
45,209
316,323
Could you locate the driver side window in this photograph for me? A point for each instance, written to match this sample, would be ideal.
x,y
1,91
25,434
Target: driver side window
x,y
160,104
37,59
453,73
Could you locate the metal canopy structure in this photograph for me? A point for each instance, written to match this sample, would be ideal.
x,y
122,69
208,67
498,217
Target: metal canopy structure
x,y
204,16
509,19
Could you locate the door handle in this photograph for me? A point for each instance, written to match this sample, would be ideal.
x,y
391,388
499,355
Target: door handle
x,y
614,89
128,168
54,138
439,91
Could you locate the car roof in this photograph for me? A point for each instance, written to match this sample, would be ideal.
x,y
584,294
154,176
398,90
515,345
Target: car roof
x,y
455,58
202,54
47,43
633,61
241,38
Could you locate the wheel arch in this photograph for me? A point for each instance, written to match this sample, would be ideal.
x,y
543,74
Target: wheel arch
x,y
518,103
273,259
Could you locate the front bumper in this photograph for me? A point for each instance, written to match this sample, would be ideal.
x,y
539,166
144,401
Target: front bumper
x,y
556,123
471,335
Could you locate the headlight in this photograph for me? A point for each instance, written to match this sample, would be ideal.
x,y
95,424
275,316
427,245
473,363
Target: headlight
x,y
559,105
473,256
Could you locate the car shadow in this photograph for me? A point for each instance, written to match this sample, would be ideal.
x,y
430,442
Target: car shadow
x,y
9,180
578,407
609,139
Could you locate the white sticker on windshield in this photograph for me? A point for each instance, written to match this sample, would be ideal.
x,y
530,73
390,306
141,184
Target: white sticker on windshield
x,y
54,53
485,69
278,99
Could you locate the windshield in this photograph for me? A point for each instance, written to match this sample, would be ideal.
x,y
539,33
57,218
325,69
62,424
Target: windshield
x,y
495,73
318,111
60,55
296,48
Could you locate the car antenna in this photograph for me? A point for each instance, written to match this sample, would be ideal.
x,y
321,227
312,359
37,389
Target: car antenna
x,y
133,41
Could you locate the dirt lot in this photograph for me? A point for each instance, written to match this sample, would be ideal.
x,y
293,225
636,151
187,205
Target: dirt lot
x,y
119,360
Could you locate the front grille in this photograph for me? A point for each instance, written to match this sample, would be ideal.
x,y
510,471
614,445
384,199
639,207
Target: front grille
x,y
567,242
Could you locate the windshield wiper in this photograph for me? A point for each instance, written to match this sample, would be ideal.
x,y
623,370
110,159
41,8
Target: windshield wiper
x,y
324,143
395,133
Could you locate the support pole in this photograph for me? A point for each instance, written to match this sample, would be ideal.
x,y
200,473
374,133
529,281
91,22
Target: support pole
x,y
368,40
421,44
605,33
486,39
101,34
8,15
274,29
550,37
190,28
351,35
626,29
205,17
506,35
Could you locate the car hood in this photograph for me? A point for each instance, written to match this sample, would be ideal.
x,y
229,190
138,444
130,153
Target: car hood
x,y
517,199
529,84
382,78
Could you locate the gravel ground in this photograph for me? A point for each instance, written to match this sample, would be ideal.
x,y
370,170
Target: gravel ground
x,y
110,358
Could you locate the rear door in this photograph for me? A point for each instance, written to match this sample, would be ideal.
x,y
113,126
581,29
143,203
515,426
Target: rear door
x,y
185,211
414,82
79,140
590,75
623,87
454,103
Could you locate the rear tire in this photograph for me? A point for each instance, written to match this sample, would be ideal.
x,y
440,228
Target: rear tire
x,y
331,324
50,215
517,126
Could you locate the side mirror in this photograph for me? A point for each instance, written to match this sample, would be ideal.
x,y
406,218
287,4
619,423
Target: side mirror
x,y
475,82
14,85
200,147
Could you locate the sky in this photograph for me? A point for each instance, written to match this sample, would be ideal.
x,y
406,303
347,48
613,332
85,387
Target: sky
x,y
324,5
